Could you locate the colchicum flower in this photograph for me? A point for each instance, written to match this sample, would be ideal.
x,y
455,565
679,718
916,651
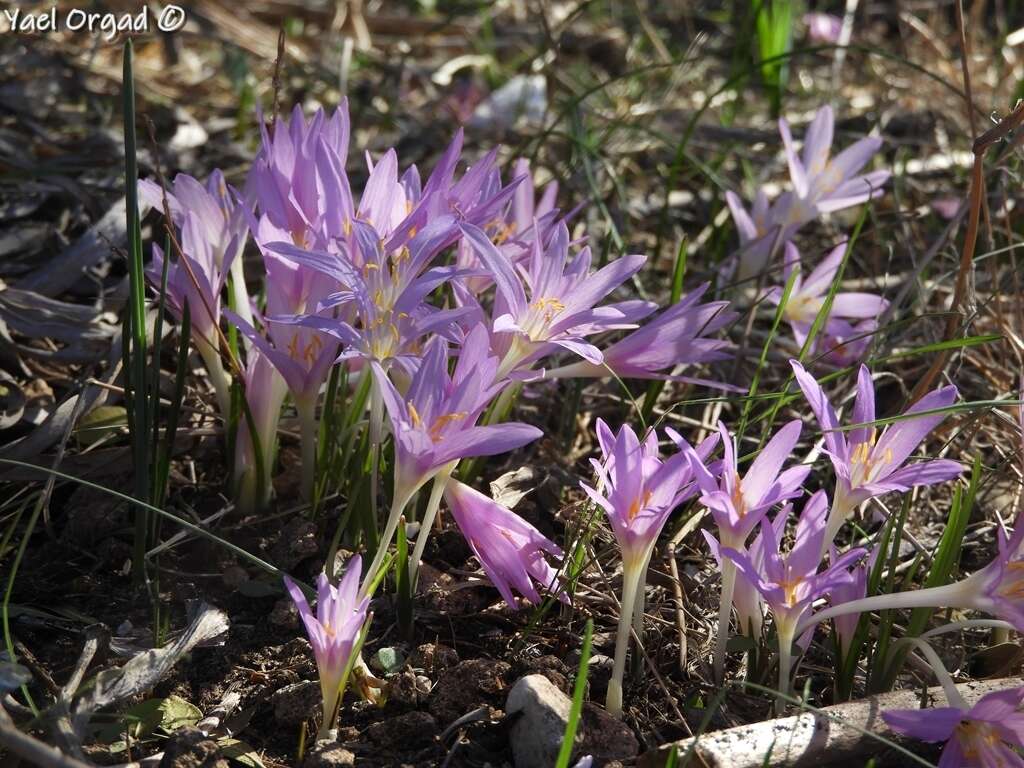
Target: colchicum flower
x,y
808,295
987,735
637,491
739,504
790,583
865,464
677,336
435,423
511,551
824,185
333,631
560,311
998,588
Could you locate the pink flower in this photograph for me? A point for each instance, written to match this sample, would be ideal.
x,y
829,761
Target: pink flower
x,y
511,551
823,27
990,733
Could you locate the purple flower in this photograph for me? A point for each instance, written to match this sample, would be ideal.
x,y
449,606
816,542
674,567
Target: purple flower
x,y
560,311
808,295
790,583
265,391
677,336
865,464
823,27
843,344
511,551
739,503
638,491
822,185
855,589
991,733
333,630
761,231
434,423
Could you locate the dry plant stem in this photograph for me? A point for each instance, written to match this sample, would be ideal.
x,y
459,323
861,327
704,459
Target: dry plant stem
x,y
306,408
630,581
427,523
724,616
36,752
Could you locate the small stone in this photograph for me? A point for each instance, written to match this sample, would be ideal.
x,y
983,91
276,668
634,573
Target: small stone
x,y
285,614
433,657
189,747
540,712
296,703
408,688
409,730
329,754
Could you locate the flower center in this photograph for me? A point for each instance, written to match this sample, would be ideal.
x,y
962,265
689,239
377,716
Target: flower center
x,y
978,739
865,465
638,503
1011,585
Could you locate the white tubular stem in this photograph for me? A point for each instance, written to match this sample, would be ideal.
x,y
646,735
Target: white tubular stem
x,y
941,673
630,579
218,377
838,514
724,616
968,624
397,507
240,296
427,523
948,596
785,637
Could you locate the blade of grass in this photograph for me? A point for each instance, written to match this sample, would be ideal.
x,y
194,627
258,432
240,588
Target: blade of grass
x,y
579,690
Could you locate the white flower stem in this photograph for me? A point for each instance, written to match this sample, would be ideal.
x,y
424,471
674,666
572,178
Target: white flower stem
x,y
941,673
784,631
630,580
240,295
638,614
397,507
724,615
433,504
967,624
956,595
841,510
218,377
306,408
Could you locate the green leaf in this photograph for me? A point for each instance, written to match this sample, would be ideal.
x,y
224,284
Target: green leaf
x,y
389,660
100,423
175,713
569,740
240,752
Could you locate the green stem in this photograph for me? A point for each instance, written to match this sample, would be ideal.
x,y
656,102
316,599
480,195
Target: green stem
x,y
397,507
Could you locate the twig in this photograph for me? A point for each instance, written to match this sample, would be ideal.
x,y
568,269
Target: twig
x,y
33,750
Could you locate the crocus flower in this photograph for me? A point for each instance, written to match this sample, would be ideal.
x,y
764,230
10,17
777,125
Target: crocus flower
x,y
822,185
865,464
511,551
222,224
762,231
991,733
808,295
998,588
823,27
637,491
846,592
843,344
739,504
265,391
435,423
677,336
197,279
790,583
333,630
560,311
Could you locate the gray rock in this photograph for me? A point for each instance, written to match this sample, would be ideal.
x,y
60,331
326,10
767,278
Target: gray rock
x,y
297,702
189,747
541,712
329,754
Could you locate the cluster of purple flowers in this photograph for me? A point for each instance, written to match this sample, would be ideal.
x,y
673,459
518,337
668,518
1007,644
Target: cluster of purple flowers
x,y
445,296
